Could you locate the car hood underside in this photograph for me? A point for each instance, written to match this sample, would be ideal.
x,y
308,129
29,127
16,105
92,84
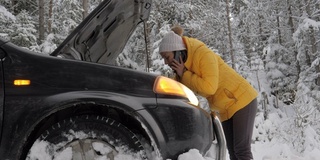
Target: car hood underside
x,y
101,37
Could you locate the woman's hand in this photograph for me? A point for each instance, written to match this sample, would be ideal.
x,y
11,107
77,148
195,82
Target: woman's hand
x,y
178,67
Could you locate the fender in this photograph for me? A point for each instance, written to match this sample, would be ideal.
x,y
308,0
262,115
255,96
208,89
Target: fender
x,y
60,106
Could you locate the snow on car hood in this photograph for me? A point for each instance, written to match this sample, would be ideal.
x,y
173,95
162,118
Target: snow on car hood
x,y
101,37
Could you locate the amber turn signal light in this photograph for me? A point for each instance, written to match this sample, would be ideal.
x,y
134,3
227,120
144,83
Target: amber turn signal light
x,y
21,82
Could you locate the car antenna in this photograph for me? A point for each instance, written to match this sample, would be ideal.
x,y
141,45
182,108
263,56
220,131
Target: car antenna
x,y
146,44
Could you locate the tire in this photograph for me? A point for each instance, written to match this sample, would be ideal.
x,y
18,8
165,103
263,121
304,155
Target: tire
x,y
87,137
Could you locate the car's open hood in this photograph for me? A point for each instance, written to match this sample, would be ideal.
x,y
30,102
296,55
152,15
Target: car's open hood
x,y
101,37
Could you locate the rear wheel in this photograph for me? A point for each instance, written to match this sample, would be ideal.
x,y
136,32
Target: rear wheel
x,y
87,137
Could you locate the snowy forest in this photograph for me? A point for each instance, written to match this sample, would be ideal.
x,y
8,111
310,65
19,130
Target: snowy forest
x,y
274,44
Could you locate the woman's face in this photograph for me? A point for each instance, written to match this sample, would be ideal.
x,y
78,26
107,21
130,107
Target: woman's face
x,y
167,57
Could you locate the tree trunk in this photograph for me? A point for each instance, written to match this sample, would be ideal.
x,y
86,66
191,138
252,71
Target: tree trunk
x,y
290,17
312,50
279,31
85,6
311,33
41,21
313,41
305,49
318,46
291,25
230,34
50,16
318,71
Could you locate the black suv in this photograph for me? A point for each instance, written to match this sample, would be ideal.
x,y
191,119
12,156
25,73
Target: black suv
x,y
73,100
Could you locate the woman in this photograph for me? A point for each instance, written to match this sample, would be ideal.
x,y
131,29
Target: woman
x,y
227,92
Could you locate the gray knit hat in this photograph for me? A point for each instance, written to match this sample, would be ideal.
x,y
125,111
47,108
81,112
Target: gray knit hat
x,y
171,42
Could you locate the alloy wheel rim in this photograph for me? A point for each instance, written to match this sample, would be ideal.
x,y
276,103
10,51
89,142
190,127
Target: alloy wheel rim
x,y
84,149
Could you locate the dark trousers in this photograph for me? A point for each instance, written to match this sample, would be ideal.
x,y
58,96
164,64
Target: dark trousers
x,y
238,131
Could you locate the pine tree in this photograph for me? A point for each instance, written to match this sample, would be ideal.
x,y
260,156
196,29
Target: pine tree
x,y
6,21
66,16
134,55
24,30
308,90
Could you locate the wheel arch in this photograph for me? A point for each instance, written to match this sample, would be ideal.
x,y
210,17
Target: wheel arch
x,y
121,112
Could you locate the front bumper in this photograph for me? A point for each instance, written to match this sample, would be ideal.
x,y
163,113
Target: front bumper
x,y
180,127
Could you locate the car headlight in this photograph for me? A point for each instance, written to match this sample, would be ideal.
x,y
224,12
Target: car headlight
x,y
167,86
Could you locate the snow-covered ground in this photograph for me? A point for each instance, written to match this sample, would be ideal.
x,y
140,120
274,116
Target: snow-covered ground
x,y
264,147
261,151
275,147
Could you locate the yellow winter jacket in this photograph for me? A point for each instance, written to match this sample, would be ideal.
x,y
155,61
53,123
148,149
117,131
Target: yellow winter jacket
x,y
209,76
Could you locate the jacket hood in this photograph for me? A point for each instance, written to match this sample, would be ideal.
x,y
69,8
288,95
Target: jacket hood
x,y
101,37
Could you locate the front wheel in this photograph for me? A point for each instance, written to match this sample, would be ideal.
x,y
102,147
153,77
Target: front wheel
x,y
87,137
